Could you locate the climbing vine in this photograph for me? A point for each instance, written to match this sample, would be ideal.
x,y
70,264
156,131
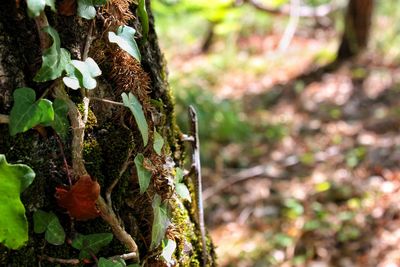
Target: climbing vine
x,y
68,116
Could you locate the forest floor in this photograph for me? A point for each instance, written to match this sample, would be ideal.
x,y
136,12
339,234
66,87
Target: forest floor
x,y
316,182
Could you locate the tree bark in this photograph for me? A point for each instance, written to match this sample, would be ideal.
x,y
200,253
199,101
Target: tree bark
x,y
357,27
111,140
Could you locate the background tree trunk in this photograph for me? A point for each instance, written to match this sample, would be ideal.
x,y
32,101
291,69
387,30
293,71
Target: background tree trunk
x,y
110,135
357,27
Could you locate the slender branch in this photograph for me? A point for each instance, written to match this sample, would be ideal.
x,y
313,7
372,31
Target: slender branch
x,y
121,172
41,22
107,213
196,167
106,101
125,257
292,25
59,261
4,119
305,11
89,40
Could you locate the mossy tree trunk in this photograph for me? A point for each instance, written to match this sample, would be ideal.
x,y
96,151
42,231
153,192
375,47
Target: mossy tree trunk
x,y
357,27
111,139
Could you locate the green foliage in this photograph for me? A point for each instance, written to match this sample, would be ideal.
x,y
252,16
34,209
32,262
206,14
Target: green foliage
x,y
86,8
49,223
35,7
144,175
158,143
103,262
124,38
160,222
144,18
134,105
81,74
293,209
180,187
355,156
14,179
55,59
27,112
168,251
91,244
60,123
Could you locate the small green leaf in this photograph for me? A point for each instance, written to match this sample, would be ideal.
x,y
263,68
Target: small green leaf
x,y
178,175
55,59
124,38
41,220
158,143
49,223
14,179
55,232
86,8
134,105
60,123
180,187
183,191
160,222
27,112
144,175
168,251
37,6
91,244
103,262
81,74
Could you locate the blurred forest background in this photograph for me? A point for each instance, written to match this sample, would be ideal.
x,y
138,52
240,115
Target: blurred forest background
x,y
300,153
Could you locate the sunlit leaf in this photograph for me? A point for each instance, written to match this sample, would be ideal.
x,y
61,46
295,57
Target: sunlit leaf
x,y
91,244
37,6
14,179
134,105
158,142
144,175
180,187
160,222
27,112
168,251
81,74
55,59
124,38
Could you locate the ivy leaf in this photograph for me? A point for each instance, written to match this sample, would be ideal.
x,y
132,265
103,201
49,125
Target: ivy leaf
x,y
136,108
168,251
14,179
91,244
158,143
86,8
144,175
124,38
180,187
103,262
27,112
81,74
55,59
60,123
37,6
160,222
49,223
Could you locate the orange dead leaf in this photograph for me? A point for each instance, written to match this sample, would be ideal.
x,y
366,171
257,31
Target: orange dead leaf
x,y
80,199
67,7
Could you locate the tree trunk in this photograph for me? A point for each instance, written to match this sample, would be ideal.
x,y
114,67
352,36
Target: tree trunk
x,y
357,27
110,143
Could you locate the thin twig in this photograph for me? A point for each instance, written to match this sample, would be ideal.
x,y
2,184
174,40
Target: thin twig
x,y
4,119
196,167
121,172
124,257
106,101
89,40
42,22
61,146
58,260
292,25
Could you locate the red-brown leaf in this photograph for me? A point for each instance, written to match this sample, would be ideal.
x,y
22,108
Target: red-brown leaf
x,y
80,200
